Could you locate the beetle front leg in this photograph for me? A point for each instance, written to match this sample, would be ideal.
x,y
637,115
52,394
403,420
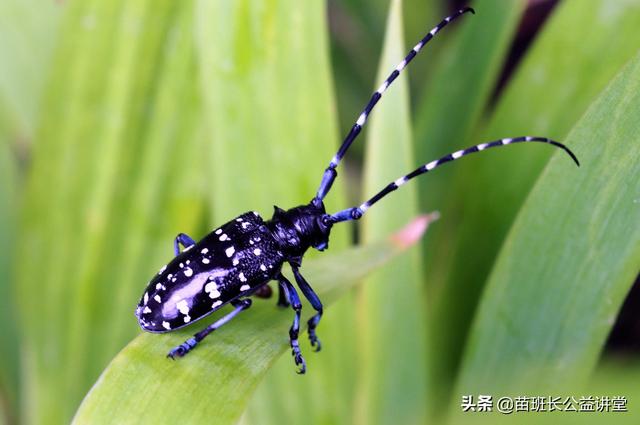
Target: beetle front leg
x,y
182,349
184,240
315,303
292,296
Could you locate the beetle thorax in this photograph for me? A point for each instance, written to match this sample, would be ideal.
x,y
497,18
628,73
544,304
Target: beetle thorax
x,y
300,228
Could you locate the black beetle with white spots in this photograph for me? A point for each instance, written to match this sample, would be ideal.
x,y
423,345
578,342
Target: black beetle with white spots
x,y
238,259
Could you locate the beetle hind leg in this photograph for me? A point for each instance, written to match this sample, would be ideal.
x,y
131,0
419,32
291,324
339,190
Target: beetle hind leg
x,y
184,348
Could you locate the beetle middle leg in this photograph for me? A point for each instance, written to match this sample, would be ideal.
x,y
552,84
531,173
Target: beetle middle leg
x,y
315,303
182,349
184,240
292,296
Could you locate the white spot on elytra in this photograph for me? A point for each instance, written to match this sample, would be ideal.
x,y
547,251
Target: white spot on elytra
x,y
245,225
241,277
224,237
166,325
187,319
183,307
205,261
216,304
236,261
146,310
263,267
257,251
181,265
238,219
256,214
163,269
158,299
158,286
146,297
245,288
218,231
229,251
212,289
188,272
204,250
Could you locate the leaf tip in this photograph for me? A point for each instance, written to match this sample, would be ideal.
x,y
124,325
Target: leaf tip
x,y
414,230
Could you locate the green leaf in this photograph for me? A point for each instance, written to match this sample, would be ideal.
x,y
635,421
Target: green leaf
x,y
558,79
9,337
106,179
217,380
391,318
568,261
269,105
28,31
451,107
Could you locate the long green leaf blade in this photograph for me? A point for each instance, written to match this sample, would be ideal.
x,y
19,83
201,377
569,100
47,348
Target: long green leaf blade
x,y
557,80
28,32
269,104
215,382
121,110
391,307
451,107
569,259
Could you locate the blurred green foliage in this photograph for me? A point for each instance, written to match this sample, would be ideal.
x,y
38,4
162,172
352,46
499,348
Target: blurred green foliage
x,y
123,123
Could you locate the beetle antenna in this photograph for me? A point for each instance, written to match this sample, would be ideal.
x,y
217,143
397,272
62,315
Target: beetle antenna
x,y
355,213
330,173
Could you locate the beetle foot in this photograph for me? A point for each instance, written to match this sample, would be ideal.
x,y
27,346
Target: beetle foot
x,y
315,342
182,349
297,357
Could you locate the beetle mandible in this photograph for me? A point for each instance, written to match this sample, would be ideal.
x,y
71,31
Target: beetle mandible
x,y
238,259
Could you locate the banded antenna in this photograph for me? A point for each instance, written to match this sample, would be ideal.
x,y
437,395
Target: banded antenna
x,y
330,173
355,213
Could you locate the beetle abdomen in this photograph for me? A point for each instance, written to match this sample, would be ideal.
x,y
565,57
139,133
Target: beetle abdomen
x,y
233,260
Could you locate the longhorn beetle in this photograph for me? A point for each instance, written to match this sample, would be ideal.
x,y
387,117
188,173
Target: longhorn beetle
x,y
238,259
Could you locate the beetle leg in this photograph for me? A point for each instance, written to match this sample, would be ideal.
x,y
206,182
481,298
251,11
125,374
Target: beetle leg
x,y
184,240
315,303
182,349
263,292
283,300
292,295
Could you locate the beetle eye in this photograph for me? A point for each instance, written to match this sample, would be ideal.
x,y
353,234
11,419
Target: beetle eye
x,y
326,220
